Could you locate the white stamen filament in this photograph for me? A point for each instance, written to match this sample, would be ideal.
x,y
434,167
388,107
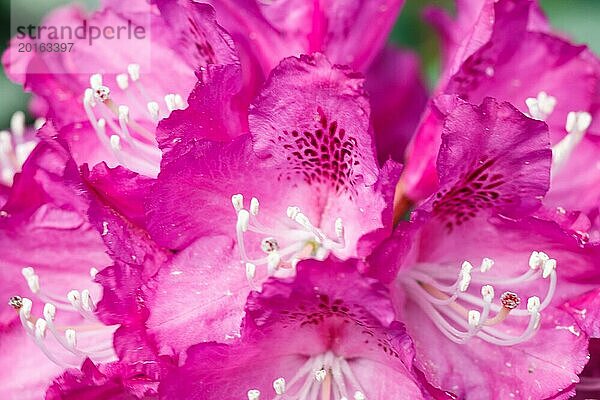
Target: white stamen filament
x,y
305,240
322,377
15,147
64,350
461,315
253,394
576,127
541,107
129,137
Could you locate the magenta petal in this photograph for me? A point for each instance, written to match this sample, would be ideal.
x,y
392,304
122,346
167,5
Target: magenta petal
x,y
43,213
398,97
509,243
197,297
193,26
123,189
184,36
29,372
514,70
342,30
584,310
215,110
328,311
110,381
492,157
315,116
540,369
462,36
192,197
350,37
88,382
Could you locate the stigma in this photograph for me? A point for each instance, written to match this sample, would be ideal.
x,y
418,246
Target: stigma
x,y
287,241
67,343
128,130
461,315
322,377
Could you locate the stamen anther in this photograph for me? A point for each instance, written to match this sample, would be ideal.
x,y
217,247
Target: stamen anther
x,y
486,264
49,311
71,337
279,385
74,298
124,113
548,267
487,292
122,81
243,220
17,123
254,206
358,395
542,106
292,211
465,276
40,328
154,110
273,261
474,318
533,304
250,271
115,142
33,281
170,102
320,375
26,307
579,121
535,261
238,202
95,81
254,394
179,102
38,123
134,71
86,300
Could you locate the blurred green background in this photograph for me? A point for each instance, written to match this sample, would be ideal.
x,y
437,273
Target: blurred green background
x,y
578,18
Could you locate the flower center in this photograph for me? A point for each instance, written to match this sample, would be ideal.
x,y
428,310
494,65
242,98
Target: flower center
x,y
461,315
61,347
129,137
303,239
541,107
15,147
322,377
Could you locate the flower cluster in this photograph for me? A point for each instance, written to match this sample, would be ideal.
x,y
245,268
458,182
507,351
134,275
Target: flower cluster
x,y
271,206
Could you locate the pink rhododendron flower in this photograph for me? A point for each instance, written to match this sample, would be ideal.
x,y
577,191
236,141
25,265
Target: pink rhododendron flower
x,y
112,117
541,74
475,276
327,333
304,184
216,215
